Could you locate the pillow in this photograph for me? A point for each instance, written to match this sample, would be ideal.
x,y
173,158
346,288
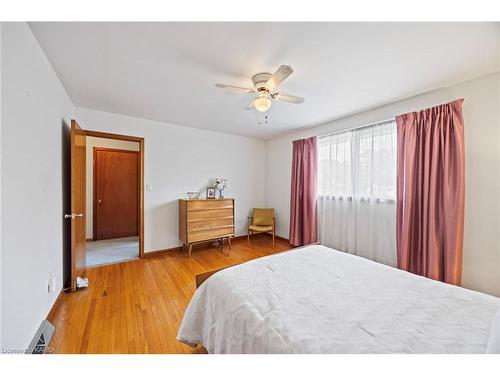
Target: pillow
x,y
494,340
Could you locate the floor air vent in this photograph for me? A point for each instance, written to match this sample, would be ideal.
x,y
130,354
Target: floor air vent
x,y
39,344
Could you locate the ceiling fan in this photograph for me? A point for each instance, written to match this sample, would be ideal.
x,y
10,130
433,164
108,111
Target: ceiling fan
x,y
264,86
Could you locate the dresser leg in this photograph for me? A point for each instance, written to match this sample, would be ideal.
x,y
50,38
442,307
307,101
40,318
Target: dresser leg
x,y
189,250
229,244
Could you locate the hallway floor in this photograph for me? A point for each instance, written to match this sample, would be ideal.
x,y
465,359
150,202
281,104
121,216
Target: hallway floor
x,y
112,251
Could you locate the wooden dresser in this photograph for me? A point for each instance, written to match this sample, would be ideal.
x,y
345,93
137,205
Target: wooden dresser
x,y
206,220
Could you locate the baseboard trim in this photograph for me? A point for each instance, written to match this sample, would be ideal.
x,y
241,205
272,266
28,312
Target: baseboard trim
x,y
245,236
238,238
54,308
270,235
156,253
277,237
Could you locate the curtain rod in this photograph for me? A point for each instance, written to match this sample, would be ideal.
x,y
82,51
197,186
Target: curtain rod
x,y
356,128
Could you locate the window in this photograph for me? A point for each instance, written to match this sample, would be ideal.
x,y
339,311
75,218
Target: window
x,y
357,191
359,163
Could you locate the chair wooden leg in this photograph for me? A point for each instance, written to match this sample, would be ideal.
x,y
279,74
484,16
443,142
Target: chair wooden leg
x,y
273,238
248,234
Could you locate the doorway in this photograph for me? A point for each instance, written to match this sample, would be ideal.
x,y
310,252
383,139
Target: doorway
x,y
114,196
81,196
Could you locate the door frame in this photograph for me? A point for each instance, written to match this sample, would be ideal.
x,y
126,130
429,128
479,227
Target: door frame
x,y
140,140
94,184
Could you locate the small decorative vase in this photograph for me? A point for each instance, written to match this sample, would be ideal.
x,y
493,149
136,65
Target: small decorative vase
x,y
221,193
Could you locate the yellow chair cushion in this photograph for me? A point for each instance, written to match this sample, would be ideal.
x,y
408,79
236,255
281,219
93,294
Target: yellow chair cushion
x,y
263,216
261,228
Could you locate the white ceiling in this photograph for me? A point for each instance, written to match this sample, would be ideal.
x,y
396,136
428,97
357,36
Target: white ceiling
x,y
167,71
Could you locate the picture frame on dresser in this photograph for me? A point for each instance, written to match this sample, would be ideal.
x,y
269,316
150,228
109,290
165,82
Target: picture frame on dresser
x,y
210,193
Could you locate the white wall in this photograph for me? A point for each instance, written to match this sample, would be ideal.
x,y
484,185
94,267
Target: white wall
x,y
481,263
180,159
89,196
35,114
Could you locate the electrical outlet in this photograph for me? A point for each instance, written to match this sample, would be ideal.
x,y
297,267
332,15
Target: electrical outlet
x,y
51,287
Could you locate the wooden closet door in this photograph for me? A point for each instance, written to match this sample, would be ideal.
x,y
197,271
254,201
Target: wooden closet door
x,y
116,193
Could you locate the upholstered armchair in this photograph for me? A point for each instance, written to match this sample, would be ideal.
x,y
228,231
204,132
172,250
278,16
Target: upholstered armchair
x,y
262,221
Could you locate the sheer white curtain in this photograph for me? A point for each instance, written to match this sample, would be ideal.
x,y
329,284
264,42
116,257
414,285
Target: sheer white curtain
x,y
357,191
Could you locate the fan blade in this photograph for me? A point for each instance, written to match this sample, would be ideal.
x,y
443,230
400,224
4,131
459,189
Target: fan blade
x,y
251,104
281,74
234,88
289,98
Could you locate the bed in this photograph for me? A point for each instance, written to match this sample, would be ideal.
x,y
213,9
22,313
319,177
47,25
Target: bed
x,y
319,300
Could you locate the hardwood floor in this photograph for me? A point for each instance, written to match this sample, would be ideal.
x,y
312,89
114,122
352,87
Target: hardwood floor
x,y
137,306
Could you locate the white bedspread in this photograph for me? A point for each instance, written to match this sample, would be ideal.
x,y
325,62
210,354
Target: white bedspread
x,y
319,300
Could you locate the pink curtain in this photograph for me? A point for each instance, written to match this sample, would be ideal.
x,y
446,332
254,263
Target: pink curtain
x,y
303,220
430,192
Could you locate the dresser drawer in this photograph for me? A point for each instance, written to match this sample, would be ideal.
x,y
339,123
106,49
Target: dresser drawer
x,y
226,213
209,224
208,234
197,205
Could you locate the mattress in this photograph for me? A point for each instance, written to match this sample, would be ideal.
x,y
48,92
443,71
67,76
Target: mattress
x,y
319,300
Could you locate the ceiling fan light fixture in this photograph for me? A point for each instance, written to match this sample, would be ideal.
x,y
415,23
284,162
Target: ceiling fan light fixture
x,y
264,88
262,103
